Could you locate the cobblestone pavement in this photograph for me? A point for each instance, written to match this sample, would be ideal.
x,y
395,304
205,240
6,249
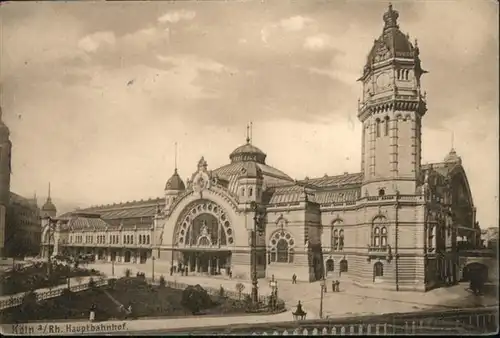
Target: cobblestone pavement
x,y
351,300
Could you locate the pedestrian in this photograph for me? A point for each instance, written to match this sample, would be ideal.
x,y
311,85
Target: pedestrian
x,y
294,279
92,313
337,285
186,270
171,270
333,286
230,274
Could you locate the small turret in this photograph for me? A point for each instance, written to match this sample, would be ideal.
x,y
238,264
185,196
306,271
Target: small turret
x,y
174,185
49,209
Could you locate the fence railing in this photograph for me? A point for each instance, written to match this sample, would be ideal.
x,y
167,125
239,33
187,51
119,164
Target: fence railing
x,y
454,322
17,299
210,290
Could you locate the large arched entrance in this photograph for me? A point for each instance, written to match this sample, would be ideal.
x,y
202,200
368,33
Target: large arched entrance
x,y
475,270
330,267
204,236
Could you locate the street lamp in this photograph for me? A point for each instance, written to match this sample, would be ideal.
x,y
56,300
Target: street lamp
x,y
258,227
153,266
113,266
323,286
274,291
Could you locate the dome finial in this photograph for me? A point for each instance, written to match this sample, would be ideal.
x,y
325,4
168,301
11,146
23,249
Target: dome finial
x,y
175,159
248,133
391,18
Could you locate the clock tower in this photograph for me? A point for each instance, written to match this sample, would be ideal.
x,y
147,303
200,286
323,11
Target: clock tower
x,y
391,112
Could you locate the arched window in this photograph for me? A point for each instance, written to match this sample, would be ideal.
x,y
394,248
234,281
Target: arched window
x,y
341,240
149,240
378,270
140,239
381,192
281,248
335,239
379,232
250,192
386,126
343,265
383,236
242,191
131,239
377,127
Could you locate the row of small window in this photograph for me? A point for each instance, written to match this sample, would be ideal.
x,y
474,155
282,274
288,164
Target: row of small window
x,y
250,192
403,74
379,238
114,239
378,123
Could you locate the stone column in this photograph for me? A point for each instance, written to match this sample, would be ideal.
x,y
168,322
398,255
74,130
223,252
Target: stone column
x,y
197,263
189,261
217,260
210,264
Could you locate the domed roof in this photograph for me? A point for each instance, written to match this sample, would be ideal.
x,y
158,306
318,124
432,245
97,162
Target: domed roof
x,y
248,152
452,157
392,42
175,182
49,206
250,170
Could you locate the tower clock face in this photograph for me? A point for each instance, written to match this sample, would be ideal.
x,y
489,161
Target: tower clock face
x,y
383,81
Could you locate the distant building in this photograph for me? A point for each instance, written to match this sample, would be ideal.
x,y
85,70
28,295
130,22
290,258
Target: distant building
x,y
489,237
20,226
24,229
5,170
397,224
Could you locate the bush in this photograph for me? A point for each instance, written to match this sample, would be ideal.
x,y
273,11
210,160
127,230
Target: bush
x,y
162,281
92,283
112,283
195,299
239,288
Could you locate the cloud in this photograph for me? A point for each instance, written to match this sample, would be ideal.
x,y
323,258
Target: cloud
x,y
295,23
176,16
292,24
194,62
92,42
318,42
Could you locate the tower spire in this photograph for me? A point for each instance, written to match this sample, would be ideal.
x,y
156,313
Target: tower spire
x,y
48,197
248,133
175,159
452,140
251,132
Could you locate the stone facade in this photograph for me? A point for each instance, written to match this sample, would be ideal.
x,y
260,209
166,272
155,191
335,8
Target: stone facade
x,y
394,225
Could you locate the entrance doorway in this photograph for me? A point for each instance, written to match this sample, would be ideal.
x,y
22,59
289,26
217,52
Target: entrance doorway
x,y
343,265
144,257
127,257
330,267
113,256
207,262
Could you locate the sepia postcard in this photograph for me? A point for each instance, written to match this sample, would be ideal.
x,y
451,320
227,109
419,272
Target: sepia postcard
x,y
264,167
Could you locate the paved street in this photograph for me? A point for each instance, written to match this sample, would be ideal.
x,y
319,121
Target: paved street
x,y
351,300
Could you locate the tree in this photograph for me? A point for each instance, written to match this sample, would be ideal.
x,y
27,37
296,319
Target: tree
x,y
239,288
162,281
195,299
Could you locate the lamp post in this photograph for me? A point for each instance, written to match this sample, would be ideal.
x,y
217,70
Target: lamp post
x,y
274,291
258,227
113,266
323,285
153,268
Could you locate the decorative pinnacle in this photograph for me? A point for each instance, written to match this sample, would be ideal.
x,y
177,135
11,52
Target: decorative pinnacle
x,y
391,18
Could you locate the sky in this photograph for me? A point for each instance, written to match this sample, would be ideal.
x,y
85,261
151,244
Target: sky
x,y
97,93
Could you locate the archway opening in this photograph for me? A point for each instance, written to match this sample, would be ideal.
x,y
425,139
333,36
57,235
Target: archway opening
x,y
378,271
330,266
144,257
205,230
127,256
475,270
343,265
